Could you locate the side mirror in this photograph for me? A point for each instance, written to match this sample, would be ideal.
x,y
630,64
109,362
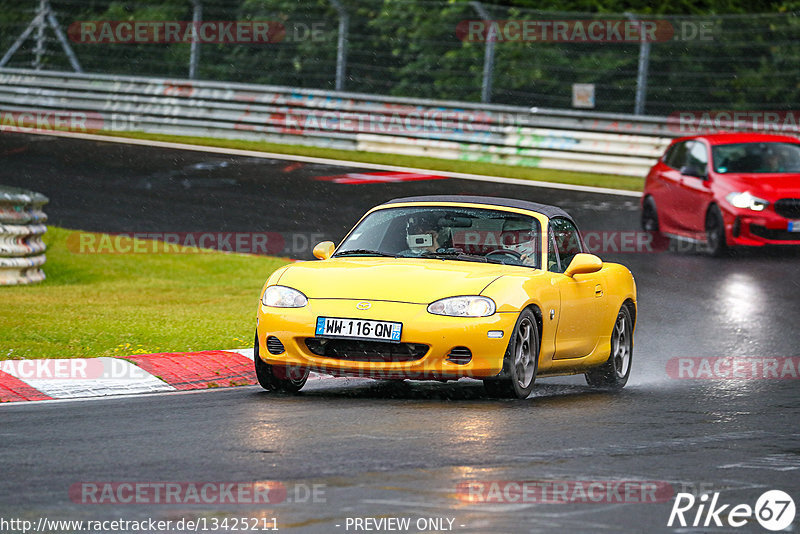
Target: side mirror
x,y
691,170
324,250
584,264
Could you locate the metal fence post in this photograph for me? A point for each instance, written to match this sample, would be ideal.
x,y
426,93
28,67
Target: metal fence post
x,y
341,46
73,59
641,74
44,15
488,54
194,58
39,48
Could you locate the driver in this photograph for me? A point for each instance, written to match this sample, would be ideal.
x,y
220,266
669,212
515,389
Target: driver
x,y
520,237
423,233
772,162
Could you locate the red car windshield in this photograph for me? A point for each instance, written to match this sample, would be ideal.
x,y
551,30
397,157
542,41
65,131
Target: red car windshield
x,y
758,158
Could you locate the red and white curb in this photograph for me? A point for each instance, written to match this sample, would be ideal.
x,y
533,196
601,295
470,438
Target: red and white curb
x,y
30,380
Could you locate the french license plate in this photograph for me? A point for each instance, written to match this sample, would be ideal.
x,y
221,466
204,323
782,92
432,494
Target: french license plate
x,y
359,329
794,226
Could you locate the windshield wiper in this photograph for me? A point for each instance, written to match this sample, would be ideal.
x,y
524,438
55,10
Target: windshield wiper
x,y
460,256
364,252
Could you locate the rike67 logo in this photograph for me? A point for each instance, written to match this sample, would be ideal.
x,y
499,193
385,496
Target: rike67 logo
x,y
774,510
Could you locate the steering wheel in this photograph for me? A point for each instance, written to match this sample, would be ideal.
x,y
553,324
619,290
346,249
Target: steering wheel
x,y
505,252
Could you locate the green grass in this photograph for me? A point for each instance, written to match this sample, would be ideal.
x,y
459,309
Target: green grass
x,y
631,183
123,304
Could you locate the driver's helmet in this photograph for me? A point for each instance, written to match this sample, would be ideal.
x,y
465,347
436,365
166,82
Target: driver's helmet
x,y
422,232
518,236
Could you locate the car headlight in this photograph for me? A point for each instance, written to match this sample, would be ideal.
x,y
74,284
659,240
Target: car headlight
x,y
283,297
746,200
470,306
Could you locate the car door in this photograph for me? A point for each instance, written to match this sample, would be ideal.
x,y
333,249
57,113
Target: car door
x,y
670,183
581,297
692,195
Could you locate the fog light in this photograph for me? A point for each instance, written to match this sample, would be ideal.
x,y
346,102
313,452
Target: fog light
x,y
495,334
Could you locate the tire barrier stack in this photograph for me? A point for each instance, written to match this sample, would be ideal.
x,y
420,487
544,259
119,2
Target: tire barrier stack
x,y
21,229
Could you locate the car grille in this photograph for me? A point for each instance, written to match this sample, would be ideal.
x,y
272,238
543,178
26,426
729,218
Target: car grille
x,y
775,235
788,207
460,355
274,345
366,351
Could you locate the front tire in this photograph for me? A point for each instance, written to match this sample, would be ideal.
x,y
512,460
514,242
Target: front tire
x,y
615,372
520,363
716,244
276,377
649,215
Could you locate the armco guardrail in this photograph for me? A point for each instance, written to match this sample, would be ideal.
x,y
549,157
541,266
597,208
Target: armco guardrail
x,y
21,229
545,138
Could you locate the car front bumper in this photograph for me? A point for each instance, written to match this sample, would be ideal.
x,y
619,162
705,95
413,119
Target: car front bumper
x,y
748,228
441,334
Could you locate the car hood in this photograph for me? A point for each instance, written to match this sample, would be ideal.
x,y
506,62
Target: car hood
x,y
773,186
402,280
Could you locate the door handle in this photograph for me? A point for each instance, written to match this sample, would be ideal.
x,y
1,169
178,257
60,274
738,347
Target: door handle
x,y
598,290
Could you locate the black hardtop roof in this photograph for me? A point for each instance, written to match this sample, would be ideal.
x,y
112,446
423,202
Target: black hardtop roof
x,y
544,209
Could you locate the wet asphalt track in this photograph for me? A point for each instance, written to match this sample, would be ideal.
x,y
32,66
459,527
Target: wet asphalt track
x,y
399,450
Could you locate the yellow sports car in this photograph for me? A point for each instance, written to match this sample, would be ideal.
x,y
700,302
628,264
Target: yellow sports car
x,y
444,287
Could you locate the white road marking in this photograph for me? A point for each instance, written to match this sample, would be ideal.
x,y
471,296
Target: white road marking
x,y
773,462
122,377
124,396
418,504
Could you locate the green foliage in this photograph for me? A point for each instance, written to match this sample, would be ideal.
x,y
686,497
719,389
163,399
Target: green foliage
x,y
411,48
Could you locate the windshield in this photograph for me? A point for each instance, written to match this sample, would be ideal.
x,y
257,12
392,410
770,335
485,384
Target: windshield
x,y
454,233
756,158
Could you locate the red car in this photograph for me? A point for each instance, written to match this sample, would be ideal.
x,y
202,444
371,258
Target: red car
x,y
725,190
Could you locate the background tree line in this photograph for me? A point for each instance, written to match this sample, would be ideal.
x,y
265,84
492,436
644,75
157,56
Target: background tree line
x,y
411,48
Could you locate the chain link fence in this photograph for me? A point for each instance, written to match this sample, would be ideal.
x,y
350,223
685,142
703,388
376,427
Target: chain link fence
x,y
462,51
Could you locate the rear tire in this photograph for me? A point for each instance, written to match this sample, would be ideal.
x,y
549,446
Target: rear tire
x,y
276,377
615,372
520,362
716,244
